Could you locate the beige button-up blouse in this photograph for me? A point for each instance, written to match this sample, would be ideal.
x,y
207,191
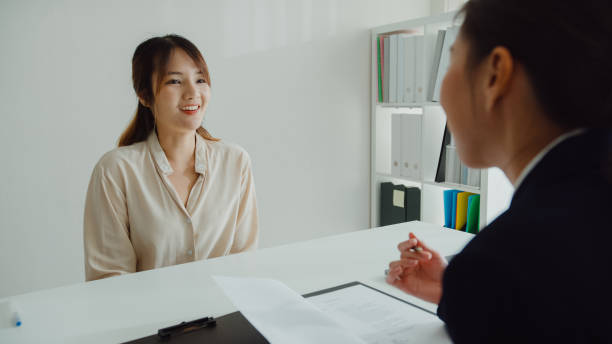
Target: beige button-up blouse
x,y
135,220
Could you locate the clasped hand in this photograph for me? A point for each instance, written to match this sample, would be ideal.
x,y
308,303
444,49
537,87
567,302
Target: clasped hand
x,y
419,270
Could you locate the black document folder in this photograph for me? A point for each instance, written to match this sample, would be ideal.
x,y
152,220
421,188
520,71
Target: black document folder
x,y
394,209
413,204
392,212
235,328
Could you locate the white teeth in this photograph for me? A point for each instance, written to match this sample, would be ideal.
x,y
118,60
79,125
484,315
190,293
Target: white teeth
x,y
190,108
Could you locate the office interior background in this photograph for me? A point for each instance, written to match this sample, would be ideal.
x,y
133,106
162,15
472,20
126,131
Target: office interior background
x,y
290,84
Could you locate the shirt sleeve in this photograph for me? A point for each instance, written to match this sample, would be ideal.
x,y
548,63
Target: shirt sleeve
x,y
108,249
247,228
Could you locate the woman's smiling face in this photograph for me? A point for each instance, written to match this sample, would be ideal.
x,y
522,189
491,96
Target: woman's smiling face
x,y
182,95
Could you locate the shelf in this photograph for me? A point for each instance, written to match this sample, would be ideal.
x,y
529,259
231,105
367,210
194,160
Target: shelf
x,y
494,189
467,188
411,180
408,105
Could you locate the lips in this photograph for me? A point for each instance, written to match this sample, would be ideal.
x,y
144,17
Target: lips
x,y
190,109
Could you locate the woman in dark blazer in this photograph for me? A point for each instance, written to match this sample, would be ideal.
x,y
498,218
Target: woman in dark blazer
x,y
529,90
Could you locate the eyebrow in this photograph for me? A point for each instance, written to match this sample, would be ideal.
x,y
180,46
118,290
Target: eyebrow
x,y
179,73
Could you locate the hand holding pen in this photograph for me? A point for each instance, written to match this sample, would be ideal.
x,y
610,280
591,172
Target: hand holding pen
x,y
419,270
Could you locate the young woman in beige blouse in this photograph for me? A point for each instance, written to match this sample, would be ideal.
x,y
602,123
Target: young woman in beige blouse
x,y
170,193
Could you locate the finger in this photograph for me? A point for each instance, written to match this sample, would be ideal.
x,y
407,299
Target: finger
x,y
399,283
395,268
408,263
408,244
418,255
402,266
421,243
394,264
396,282
394,274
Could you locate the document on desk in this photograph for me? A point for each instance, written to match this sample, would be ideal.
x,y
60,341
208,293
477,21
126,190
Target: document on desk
x,y
280,314
355,314
378,318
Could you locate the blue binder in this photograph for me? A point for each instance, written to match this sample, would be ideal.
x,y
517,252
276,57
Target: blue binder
x,y
450,207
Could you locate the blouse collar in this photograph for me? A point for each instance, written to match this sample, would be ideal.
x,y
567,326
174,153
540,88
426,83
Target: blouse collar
x,y
162,161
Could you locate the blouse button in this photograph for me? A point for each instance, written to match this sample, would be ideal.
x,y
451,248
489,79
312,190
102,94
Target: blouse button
x,y
188,220
190,253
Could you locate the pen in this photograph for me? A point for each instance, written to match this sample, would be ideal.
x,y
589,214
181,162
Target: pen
x,y
416,249
16,315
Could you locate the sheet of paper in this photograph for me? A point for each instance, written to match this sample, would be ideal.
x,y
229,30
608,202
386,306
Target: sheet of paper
x,y
280,314
378,318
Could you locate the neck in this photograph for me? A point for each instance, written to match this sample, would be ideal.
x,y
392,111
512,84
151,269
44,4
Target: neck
x,y
179,148
525,142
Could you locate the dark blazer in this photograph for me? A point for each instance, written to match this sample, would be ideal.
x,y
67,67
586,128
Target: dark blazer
x,y
542,271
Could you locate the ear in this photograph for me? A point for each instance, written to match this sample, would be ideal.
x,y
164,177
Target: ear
x,y
143,102
499,71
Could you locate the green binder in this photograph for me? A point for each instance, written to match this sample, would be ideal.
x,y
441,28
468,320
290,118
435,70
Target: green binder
x,y
473,214
380,90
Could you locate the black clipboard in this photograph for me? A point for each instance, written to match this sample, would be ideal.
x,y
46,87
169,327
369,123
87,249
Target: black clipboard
x,y
235,328
230,328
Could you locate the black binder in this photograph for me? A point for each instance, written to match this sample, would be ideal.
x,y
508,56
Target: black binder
x,y
410,209
413,204
391,214
235,328
441,170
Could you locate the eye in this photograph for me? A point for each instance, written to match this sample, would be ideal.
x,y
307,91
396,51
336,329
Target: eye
x,y
201,81
173,81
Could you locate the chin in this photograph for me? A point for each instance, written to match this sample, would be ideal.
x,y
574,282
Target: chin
x,y
471,157
192,124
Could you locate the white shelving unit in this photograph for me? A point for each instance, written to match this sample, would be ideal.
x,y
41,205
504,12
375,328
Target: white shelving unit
x,y
495,190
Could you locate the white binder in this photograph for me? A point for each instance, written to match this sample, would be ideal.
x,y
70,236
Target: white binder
x,y
409,69
393,69
411,146
449,39
401,67
419,69
396,143
386,43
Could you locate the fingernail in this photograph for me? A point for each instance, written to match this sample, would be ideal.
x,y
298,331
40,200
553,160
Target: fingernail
x,y
419,248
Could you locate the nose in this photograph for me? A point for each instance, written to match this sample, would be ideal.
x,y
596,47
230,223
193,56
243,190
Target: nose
x,y
190,91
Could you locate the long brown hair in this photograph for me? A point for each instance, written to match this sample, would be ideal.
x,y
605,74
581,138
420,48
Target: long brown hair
x,y
152,56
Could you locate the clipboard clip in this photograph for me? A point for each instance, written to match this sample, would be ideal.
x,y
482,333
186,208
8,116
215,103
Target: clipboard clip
x,y
186,326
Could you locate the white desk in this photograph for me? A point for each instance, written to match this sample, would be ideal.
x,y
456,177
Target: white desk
x,y
127,307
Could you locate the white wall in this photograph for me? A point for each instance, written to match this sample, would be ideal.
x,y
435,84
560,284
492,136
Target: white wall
x,y
290,83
